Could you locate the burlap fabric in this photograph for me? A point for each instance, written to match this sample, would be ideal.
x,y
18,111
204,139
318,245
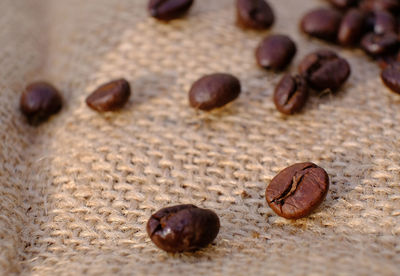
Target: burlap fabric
x,y
77,191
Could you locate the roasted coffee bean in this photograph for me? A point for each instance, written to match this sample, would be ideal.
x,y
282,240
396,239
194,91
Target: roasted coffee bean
x,y
39,101
213,91
324,69
391,77
275,52
297,190
183,228
321,23
254,14
343,4
386,60
380,44
351,28
392,6
291,94
381,22
110,96
169,9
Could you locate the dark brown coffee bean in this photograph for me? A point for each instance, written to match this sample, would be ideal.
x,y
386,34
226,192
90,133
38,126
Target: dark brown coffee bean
x,y
183,228
110,96
380,44
392,6
382,22
321,23
39,101
352,27
386,60
291,94
297,190
343,4
169,9
254,14
275,52
324,69
391,77
213,91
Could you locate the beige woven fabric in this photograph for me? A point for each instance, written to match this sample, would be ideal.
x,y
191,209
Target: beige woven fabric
x,y
76,192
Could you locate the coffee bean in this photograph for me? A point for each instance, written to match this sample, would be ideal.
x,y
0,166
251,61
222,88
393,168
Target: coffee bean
x,y
110,96
275,52
324,69
391,77
382,22
386,60
291,94
254,14
169,9
183,228
213,91
392,6
343,4
321,23
297,190
379,44
39,101
352,27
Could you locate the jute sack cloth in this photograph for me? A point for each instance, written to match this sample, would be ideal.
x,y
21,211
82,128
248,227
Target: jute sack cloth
x,y
76,192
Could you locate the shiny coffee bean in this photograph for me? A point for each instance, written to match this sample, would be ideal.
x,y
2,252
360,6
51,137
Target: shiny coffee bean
x,y
110,96
213,91
321,23
183,228
392,6
291,94
391,77
275,52
351,28
169,9
324,69
379,44
343,4
381,22
254,14
39,101
297,190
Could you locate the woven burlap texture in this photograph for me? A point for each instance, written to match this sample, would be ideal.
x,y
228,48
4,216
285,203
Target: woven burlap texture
x,y
77,191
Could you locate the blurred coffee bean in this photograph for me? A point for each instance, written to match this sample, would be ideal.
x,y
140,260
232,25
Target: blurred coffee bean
x,y
169,9
291,94
275,52
379,44
254,14
324,69
39,101
352,27
321,23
